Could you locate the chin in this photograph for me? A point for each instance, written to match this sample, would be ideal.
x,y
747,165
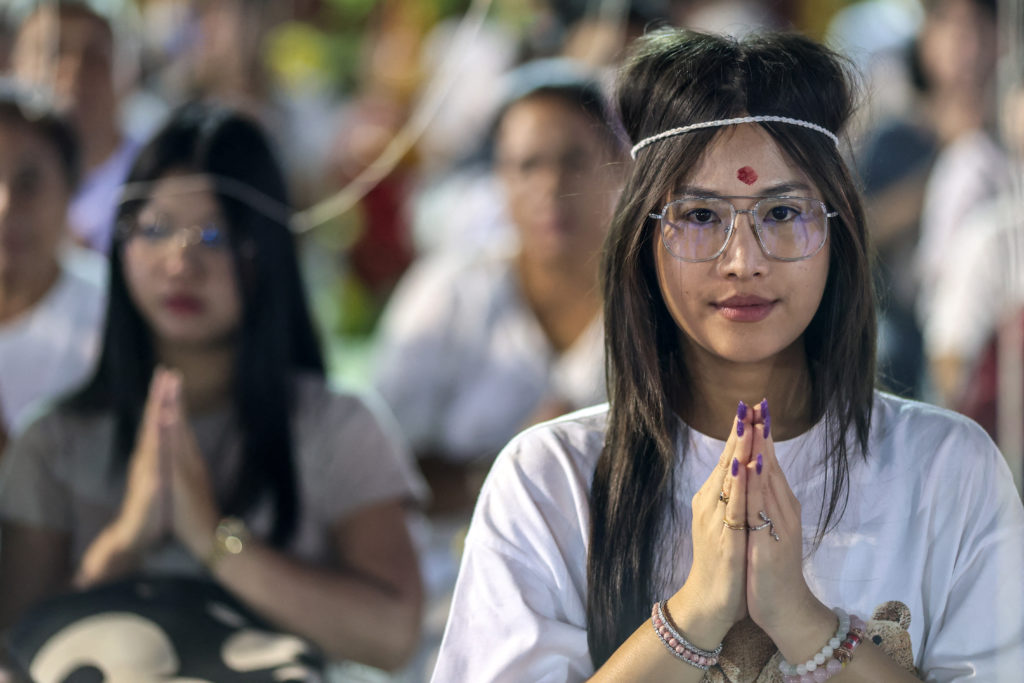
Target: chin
x,y
749,348
192,336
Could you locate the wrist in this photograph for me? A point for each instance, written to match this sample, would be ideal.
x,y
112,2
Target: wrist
x,y
802,633
705,628
110,554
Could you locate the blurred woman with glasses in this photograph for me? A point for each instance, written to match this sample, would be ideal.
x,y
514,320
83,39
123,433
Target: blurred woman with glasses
x,y
747,506
207,443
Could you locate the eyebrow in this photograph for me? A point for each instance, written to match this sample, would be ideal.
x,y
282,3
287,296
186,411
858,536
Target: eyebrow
x,y
772,191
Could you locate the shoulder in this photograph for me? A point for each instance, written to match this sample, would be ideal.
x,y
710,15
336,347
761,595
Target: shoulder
x,y
937,443
63,440
544,474
349,450
322,406
572,441
896,417
54,421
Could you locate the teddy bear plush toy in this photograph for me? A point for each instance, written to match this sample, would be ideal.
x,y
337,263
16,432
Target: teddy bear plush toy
x,y
749,655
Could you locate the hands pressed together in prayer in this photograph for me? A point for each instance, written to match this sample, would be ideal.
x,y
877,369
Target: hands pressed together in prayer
x,y
168,492
748,542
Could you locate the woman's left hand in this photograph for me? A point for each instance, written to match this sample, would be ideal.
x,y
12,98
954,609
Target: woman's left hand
x,y
194,514
777,593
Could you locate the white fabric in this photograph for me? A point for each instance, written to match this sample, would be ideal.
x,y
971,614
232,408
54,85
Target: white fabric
x,y
463,361
968,172
92,210
985,287
933,521
52,347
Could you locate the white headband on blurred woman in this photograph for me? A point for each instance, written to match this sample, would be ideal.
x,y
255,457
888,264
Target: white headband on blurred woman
x,y
729,122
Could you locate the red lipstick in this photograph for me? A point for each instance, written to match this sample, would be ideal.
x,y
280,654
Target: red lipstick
x,y
183,304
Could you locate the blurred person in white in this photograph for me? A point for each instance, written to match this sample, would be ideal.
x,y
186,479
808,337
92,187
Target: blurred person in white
x,y
958,46
474,348
50,308
987,286
69,47
896,145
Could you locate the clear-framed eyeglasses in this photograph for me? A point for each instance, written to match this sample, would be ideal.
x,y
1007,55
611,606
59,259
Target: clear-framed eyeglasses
x,y
156,230
698,229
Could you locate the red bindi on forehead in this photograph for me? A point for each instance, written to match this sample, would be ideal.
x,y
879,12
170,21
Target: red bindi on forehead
x,y
747,175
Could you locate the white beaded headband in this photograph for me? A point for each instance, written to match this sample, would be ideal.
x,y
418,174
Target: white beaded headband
x,y
672,132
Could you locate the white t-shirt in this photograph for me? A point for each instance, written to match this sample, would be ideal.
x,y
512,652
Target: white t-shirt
x,y
463,361
53,347
986,286
933,521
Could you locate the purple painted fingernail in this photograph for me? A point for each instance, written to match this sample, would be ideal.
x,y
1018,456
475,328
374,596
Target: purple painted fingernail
x,y
764,409
735,467
760,463
767,426
739,428
741,411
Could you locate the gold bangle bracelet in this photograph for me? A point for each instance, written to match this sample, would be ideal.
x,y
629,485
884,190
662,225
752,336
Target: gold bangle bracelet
x,y
230,538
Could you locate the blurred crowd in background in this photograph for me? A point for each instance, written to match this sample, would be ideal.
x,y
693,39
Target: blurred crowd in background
x,y
450,217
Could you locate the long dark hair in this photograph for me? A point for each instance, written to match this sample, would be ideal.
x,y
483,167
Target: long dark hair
x,y
276,337
675,78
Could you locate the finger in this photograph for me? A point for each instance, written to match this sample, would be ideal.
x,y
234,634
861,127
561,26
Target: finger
x,y
764,443
165,455
764,418
770,508
151,410
736,508
757,485
789,505
737,446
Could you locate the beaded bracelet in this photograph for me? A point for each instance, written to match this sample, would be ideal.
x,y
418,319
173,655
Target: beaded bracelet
x,y
833,657
680,646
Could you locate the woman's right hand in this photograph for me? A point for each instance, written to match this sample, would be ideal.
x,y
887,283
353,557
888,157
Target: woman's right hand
x,y
714,595
144,517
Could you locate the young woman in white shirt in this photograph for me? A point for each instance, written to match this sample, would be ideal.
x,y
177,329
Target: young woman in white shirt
x,y
746,478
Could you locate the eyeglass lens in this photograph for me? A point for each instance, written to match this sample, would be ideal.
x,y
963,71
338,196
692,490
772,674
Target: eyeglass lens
x,y
696,228
158,230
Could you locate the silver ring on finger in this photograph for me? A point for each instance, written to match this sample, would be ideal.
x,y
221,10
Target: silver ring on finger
x,y
724,497
768,524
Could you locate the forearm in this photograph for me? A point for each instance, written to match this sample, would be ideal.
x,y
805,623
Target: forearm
x,y
645,657
350,616
107,557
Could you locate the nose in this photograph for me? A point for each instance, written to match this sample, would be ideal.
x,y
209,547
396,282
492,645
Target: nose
x,y
181,257
743,257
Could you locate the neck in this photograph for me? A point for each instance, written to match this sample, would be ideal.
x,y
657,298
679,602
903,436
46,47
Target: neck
x,y
21,293
207,373
564,297
99,144
719,386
